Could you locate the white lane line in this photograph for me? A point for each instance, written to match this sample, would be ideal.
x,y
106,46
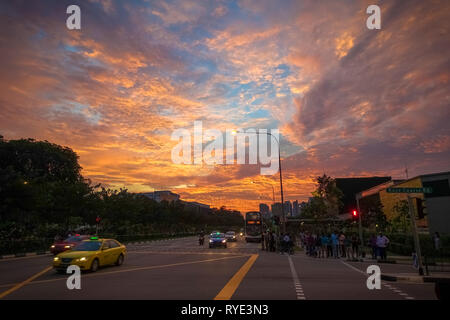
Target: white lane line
x,y
394,289
297,284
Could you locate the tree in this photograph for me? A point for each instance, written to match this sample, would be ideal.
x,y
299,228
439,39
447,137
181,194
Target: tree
x,y
330,194
401,221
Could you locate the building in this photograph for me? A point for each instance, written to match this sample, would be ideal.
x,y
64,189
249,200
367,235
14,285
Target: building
x,y
437,203
295,209
162,196
352,186
196,206
288,209
264,210
276,209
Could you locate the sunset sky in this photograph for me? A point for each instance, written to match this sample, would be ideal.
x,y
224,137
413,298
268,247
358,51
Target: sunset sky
x,y
348,101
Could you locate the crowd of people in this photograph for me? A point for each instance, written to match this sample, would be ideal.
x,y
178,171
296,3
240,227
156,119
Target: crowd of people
x,y
271,242
325,245
339,245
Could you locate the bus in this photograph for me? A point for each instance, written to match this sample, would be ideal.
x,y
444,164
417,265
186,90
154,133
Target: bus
x,y
253,226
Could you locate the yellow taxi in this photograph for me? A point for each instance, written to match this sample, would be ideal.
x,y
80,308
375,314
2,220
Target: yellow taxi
x,y
91,254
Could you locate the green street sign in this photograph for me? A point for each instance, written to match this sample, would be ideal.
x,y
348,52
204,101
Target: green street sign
x,y
409,190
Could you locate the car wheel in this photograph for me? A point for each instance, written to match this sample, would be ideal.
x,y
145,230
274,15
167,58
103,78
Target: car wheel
x,y
94,265
119,260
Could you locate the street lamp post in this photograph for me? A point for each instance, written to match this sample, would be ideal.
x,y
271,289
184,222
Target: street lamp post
x,y
281,178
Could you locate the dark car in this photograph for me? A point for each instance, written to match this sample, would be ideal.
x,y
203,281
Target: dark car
x,y
67,244
230,236
217,240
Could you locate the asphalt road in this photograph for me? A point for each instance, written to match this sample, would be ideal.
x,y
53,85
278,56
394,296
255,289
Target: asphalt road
x,y
180,269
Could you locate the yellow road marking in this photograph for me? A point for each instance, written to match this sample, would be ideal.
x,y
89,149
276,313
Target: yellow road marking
x,y
20,285
227,292
129,270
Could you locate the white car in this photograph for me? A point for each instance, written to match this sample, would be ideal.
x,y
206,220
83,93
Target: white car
x,y
230,236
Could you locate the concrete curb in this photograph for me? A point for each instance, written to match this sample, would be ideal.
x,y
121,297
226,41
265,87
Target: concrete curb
x,y
22,255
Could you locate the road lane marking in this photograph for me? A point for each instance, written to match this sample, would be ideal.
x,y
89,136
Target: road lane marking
x,y
193,252
227,292
390,287
298,286
90,275
21,284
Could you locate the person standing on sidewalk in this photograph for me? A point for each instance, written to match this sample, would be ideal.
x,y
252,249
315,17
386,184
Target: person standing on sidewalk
x,y
373,245
334,245
329,247
382,243
271,242
323,246
355,246
342,244
437,241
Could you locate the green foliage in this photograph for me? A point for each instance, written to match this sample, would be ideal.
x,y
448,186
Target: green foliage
x,y
401,221
42,194
326,199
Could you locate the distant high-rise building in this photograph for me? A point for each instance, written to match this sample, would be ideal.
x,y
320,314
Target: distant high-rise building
x,y
288,209
295,209
264,210
276,209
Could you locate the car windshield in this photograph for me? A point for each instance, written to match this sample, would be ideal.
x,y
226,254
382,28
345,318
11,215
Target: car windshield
x,y
74,239
218,235
231,233
88,246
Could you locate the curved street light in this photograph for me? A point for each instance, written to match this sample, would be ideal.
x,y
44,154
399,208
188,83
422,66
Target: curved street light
x,y
234,132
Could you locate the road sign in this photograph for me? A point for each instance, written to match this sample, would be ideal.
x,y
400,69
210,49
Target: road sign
x,y
409,190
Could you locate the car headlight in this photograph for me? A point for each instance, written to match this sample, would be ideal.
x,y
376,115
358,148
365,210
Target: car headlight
x,y
223,241
83,259
210,241
67,247
52,246
55,259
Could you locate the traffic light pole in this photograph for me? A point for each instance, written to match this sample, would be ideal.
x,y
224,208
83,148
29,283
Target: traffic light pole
x,y
361,240
415,235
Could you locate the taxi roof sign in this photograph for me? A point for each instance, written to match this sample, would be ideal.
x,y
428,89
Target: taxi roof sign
x,y
94,238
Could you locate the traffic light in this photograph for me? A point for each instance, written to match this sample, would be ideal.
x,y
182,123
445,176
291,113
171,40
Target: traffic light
x,y
421,208
354,215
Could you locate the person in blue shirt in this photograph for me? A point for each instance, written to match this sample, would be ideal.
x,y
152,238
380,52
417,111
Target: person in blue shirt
x,y
323,246
334,245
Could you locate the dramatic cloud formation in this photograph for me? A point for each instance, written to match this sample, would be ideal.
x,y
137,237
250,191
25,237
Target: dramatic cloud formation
x,y
348,101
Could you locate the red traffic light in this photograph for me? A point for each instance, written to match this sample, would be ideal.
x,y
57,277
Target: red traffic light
x,y
355,213
97,219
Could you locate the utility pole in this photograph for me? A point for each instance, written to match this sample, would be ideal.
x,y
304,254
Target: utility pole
x,y
415,235
358,197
